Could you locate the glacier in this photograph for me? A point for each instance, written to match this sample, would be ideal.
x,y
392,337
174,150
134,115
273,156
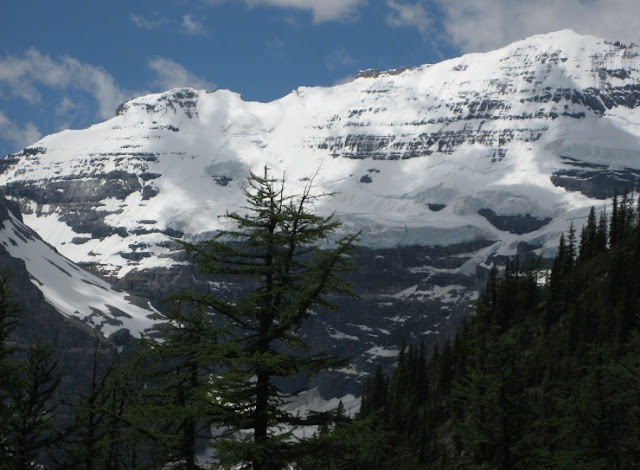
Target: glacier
x,y
445,169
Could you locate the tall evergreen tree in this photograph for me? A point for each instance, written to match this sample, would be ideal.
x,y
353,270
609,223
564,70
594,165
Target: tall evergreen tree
x,y
571,246
274,248
174,370
376,393
31,427
9,313
601,233
588,237
614,226
27,392
104,435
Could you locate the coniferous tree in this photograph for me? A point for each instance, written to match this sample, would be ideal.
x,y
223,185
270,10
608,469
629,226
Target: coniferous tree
x,y
9,313
27,392
588,237
104,435
30,426
571,247
179,397
275,249
544,376
83,446
614,229
600,243
376,392
632,219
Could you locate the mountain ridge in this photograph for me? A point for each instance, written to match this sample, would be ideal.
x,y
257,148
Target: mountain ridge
x,y
242,135
445,169
71,291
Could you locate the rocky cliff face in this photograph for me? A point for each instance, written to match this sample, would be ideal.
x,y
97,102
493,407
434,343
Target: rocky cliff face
x,y
445,169
73,341
70,290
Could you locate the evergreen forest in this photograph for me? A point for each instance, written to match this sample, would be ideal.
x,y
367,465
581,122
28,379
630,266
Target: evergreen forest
x,y
544,375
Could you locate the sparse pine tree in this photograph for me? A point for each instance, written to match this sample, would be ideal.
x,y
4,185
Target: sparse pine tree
x,y
30,427
588,237
174,371
614,226
9,312
275,249
27,392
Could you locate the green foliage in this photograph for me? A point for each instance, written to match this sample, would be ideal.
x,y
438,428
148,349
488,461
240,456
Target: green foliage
x,y
9,314
30,426
10,311
543,376
179,395
104,435
217,360
214,363
352,445
27,392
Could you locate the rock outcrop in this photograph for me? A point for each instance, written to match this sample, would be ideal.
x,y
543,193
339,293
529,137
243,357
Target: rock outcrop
x,y
73,341
444,169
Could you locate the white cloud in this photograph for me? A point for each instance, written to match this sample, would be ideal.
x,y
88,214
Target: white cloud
x,y
409,15
95,92
66,106
478,25
170,74
194,26
337,58
322,10
147,23
26,78
23,77
66,112
276,44
19,137
188,23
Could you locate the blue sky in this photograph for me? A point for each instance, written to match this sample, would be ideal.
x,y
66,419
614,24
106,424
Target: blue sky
x,y
68,63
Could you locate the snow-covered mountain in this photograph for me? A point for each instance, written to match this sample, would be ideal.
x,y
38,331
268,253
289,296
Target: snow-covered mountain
x,y
73,292
444,168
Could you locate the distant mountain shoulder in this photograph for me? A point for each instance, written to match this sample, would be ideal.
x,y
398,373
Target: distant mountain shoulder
x,y
445,169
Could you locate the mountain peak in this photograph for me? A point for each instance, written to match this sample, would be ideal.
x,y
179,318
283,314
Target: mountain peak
x,y
569,41
444,169
72,291
174,99
171,163
375,73
566,34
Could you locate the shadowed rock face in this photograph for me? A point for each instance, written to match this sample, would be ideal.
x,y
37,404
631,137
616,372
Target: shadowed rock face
x,y
81,195
370,328
519,224
73,341
445,168
596,180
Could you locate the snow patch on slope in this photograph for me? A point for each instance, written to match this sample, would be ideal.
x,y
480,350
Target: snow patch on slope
x,y
194,149
71,290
